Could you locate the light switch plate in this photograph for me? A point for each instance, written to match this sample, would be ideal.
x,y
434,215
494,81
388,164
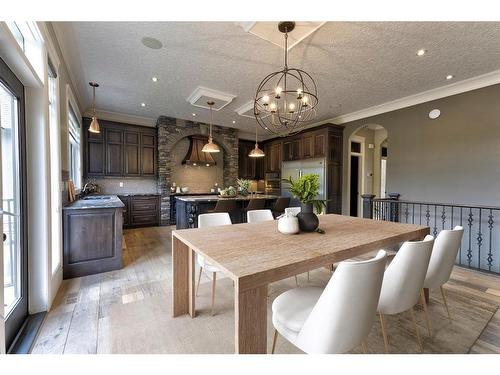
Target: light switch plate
x,y
121,183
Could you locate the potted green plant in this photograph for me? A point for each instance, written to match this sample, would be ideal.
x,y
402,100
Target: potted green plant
x,y
306,190
243,186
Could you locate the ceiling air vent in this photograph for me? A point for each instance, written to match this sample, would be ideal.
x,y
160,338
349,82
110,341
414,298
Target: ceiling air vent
x,y
201,95
267,30
246,110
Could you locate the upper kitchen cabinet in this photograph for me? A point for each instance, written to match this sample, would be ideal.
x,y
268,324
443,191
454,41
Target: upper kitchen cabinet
x,y
273,156
119,150
249,168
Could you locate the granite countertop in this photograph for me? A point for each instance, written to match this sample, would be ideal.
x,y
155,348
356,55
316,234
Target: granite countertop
x,y
214,198
94,201
137,194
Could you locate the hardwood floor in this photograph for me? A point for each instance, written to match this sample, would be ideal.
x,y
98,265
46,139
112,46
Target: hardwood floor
x,y
128,311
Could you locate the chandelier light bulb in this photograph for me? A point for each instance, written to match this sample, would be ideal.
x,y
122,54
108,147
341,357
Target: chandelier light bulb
x,y
291,107
273,106
265,99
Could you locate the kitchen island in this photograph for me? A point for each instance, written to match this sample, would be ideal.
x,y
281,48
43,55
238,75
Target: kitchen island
x,y
189,207
92,235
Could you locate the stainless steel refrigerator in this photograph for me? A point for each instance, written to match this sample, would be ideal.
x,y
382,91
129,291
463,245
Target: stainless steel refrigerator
x,y
298,168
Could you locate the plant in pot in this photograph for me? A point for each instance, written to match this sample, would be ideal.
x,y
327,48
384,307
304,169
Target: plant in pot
x,y
306,190
243,186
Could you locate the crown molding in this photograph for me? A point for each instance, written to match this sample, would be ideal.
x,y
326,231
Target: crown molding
x,y
122,117
465,85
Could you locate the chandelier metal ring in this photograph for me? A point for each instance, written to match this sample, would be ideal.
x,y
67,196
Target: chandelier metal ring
x,y
286,99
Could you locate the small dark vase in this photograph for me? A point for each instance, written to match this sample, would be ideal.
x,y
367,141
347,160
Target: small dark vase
x,y
308,221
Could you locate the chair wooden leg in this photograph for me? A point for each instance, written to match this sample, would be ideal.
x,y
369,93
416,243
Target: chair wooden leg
x,y
384,332
426,312
364,347
445,303
214,278
308,277
417,332
199,278
275,338
296,281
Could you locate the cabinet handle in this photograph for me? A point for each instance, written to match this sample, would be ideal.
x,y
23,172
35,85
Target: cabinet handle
x,y
4,237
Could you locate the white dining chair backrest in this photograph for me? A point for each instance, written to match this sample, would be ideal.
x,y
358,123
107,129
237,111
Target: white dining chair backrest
x,y
405,275
344,314
214,219
443,257
293,210
255,216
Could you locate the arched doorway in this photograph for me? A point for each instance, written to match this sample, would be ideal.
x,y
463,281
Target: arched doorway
x,y
367,165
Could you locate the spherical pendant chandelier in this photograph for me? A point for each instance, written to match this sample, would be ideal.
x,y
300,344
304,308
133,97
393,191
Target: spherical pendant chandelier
x,y
286,100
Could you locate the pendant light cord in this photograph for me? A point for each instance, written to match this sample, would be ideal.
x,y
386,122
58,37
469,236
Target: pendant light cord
x,y
93,99
211,120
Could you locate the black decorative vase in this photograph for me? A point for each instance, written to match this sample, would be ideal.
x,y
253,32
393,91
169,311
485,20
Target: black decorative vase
x,y
308,221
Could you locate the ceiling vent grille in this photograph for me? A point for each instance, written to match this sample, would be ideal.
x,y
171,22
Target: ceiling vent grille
x,y
201,95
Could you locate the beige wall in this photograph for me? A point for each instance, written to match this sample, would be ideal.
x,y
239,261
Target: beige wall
x,y
455,158
199,179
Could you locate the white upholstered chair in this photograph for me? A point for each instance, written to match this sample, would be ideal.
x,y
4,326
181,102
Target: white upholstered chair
x,y
210,220
337,318
442,260
403,282
293,210
255,216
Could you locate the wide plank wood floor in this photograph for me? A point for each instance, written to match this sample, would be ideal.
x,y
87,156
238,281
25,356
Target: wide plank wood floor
x,y
94,314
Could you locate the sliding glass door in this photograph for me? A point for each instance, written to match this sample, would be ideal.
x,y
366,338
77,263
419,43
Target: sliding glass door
x,y
12,192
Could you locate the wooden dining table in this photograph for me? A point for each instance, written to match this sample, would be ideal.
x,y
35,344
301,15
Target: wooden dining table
x,y
255,255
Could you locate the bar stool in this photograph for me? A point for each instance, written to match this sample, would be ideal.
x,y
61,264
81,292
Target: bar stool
x,y
253,204
280,205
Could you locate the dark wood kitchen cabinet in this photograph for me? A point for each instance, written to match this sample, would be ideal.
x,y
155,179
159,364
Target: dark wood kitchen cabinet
x,y
249,168
120,150
114,152
140,210
325,141
273,157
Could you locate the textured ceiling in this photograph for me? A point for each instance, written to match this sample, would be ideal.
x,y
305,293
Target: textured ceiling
x,y
355,64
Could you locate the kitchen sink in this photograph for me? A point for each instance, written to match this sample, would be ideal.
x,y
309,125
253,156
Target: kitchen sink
x,y
96,198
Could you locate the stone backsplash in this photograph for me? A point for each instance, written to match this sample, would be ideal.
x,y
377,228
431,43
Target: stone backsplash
x,y
170,132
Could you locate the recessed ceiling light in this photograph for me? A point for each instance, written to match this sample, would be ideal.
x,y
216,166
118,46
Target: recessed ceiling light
x,y
421,52
450,76
152,43
154,79
143,104
234,122
194,114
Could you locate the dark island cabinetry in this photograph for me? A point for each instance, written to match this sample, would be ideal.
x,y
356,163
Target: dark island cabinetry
x,y
92,237
119,150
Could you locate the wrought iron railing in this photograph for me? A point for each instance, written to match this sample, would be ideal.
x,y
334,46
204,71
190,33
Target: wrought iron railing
x,y
480,248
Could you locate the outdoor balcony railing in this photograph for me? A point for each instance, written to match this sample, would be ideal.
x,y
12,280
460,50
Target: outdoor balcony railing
x,y
481,241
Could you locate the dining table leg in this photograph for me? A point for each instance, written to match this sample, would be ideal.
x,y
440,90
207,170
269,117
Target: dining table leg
x,y
250,312
183,279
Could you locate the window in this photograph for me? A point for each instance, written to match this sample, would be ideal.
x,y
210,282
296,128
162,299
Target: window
x,y
356,147
30,40
74,149
55,168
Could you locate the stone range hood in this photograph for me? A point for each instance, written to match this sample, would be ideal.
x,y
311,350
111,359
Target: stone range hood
x,y
194,155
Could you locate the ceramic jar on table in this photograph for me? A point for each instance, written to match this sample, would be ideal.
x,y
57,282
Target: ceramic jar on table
x,y
288,224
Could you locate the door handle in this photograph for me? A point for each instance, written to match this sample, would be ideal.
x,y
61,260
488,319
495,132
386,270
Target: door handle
x,y
4,237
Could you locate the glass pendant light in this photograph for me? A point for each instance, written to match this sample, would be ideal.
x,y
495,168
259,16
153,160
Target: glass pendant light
x,y
210,146
94,125
256,152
